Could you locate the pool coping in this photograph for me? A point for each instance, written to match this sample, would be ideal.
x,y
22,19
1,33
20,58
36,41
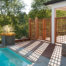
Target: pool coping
x,y
22,55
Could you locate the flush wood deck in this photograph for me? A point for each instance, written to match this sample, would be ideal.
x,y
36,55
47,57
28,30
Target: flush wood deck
x,y
40,52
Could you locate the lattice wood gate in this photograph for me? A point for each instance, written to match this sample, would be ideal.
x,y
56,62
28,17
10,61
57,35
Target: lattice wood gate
x,y
40,29
60,30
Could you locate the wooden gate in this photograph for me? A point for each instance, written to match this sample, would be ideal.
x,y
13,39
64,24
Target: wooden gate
x,y
60,30
40,29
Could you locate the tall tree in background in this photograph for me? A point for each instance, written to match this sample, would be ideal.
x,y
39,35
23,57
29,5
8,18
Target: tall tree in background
x,y
39,4
11,13
9,9
39,9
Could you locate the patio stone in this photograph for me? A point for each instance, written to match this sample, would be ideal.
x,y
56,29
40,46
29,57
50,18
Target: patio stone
x,y
42,61
64,50
63,61
34,51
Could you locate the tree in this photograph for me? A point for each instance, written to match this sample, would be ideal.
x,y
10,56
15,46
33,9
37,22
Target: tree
x,y
39,4
40,13
9,10
39,9
60,13
11,14
11,7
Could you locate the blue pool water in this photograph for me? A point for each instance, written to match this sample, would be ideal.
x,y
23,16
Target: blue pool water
x,y
10,58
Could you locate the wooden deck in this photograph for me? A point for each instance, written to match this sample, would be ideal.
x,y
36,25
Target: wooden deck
x,y
40,52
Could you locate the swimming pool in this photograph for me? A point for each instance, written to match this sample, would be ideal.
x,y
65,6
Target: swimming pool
x,y
10,58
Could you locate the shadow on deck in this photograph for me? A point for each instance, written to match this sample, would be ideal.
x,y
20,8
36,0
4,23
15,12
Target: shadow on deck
x,y
40,52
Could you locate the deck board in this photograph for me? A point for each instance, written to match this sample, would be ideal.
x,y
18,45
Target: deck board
x,y
40,52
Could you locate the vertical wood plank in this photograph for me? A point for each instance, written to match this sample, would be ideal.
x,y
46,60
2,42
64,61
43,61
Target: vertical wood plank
x,y
30,28
55,28
44,29
50,31
36,28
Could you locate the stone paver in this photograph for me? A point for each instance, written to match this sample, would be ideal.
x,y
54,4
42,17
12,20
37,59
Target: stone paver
x,y
56,56
63,61
33,51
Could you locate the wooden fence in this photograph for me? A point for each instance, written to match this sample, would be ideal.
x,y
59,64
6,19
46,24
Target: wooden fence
x,y
60,30
40,29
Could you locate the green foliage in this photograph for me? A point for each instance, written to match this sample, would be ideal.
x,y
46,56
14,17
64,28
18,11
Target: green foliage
x,y
20,24
61,13
39,4
11,7
21,30
39,10
11,14
40,13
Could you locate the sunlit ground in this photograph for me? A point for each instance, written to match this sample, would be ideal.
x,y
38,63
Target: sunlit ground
x,y
35,56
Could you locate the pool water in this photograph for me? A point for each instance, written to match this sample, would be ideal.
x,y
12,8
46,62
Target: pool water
x,y
10,58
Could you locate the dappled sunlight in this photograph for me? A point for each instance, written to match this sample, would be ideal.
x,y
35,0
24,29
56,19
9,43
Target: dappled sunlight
x,y
33,51
61,39
48,38
56,56
29,48
15,47
61,30
37,53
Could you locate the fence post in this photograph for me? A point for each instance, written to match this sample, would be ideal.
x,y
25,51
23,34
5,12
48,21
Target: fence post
x,y
53,25
55,28
30,28
50,31
36,28
44,29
